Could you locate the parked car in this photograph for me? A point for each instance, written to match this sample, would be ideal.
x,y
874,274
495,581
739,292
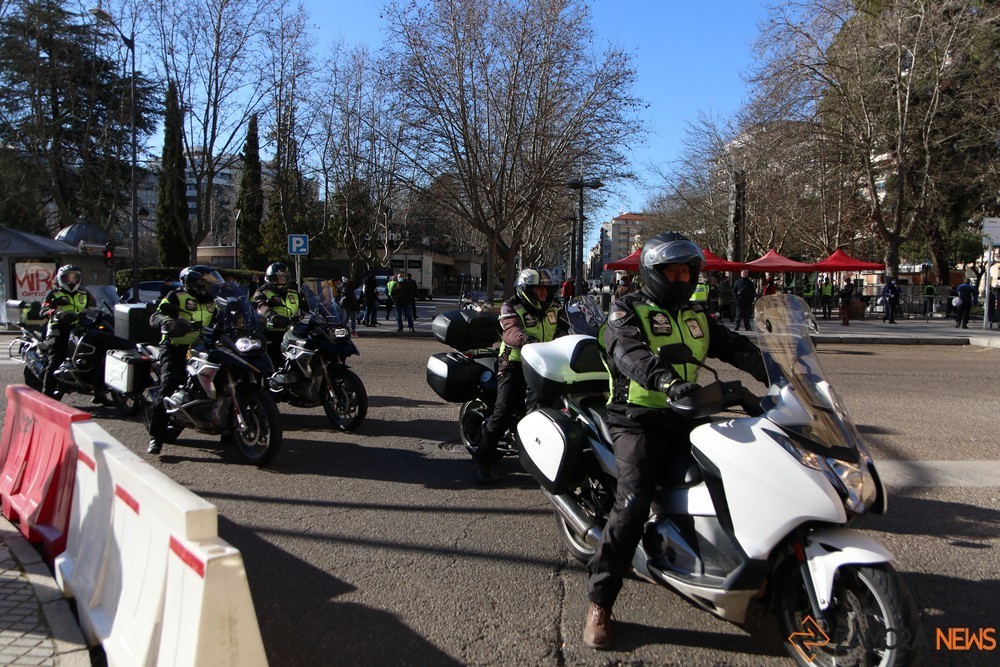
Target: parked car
x,y
380,283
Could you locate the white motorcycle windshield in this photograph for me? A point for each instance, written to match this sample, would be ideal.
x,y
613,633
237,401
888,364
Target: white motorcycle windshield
x,y
801,399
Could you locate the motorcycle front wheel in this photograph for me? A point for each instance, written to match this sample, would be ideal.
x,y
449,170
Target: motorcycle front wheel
x,y
345,400
872,620
258,438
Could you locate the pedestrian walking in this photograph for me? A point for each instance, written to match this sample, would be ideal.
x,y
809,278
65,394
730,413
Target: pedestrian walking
x,y
349,303
968,297
745,292
846,295
826,297
890,301
404,296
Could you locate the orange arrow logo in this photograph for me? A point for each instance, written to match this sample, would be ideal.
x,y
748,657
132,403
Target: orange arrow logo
x,y
812,638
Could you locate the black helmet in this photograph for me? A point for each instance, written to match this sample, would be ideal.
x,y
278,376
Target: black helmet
x,y
277,276
69,277
669,248
200,281
529,278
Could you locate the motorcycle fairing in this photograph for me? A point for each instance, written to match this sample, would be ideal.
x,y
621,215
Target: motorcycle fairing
x,y
830,548
749,460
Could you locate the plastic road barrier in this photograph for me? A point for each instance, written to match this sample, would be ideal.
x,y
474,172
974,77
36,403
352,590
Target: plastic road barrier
x,y
37,462
153,582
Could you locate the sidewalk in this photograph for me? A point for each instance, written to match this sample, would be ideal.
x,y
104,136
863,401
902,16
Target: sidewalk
x,y
37,626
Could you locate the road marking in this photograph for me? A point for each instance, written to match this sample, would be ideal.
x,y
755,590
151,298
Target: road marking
x,y
9,362
939,473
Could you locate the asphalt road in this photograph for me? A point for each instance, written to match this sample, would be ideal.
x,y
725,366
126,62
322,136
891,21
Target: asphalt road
x,y
375,548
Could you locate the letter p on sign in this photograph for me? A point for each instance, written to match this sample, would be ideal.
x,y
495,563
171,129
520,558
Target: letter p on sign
x,y
298,244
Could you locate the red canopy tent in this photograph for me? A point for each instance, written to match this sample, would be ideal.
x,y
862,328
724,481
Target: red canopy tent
x,y
715,263
841,261
773,262
630,263
712,263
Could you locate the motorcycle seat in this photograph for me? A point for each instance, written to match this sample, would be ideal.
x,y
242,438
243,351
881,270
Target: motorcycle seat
x,y
597,413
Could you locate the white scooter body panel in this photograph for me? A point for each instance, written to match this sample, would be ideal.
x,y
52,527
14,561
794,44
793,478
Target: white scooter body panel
x,y
828,549
768,492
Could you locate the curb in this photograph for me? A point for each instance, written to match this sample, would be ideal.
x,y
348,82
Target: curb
x,y
69,647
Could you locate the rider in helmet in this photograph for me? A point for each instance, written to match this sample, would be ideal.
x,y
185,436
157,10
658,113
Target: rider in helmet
x,y
179,315
527,317
278,302
646,434
62,305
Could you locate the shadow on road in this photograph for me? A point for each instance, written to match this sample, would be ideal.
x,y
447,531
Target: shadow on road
x,y
302,622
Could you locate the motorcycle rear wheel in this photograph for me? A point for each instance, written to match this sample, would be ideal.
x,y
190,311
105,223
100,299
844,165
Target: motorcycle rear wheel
x,y
127,405
171,433
872,620
259,440
470,423
578,547
346,401
32,380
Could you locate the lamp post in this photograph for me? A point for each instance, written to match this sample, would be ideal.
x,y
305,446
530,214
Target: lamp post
x,y
579,184
104,17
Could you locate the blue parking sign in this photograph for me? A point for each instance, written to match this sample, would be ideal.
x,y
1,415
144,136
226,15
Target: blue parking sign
x,y
298,244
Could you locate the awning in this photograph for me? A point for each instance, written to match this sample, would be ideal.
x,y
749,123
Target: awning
x,y
715,263
773,262
841,261
630,263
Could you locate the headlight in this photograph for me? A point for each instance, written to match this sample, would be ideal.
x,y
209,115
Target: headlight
x,y
853,481
248,344
341,333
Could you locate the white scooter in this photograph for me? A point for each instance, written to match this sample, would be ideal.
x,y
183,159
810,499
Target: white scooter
x,y
757,513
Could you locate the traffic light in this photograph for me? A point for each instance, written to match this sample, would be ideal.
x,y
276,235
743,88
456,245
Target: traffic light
x,y
109,254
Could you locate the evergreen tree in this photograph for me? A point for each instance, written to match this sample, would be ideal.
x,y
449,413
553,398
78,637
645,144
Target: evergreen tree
x,y
67,120
173,232
250,203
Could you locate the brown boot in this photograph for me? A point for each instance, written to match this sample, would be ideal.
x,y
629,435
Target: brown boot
x,y
597,630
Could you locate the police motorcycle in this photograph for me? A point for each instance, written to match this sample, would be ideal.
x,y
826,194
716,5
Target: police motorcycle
x,y
316,348
468,374
91,337
755,518
222,394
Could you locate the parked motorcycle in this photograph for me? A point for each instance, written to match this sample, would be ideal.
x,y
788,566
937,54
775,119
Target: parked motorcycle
x,y
91,338
756,513
468,374
315,373
222,394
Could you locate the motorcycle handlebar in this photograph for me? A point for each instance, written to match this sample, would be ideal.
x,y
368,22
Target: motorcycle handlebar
x,y
717,397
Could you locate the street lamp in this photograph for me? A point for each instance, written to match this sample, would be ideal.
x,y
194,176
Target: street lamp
x,y
104,17
580,184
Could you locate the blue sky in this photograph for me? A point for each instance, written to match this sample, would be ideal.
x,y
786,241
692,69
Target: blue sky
x,y
689,56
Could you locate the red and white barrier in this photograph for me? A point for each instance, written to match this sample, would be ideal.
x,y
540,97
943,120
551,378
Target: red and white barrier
x,y
37,461
153,582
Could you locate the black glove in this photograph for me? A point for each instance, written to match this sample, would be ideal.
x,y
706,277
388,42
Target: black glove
x,y
177,327
62,301
63,315
676,389
275,301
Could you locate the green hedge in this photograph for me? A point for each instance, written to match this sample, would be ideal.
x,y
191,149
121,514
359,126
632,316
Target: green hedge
x,y
123,277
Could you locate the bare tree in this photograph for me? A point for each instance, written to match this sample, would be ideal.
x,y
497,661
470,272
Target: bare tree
x,y
509,99
874,77
215,52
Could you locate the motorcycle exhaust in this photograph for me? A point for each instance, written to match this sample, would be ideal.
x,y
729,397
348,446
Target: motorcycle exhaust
x,y
581,524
